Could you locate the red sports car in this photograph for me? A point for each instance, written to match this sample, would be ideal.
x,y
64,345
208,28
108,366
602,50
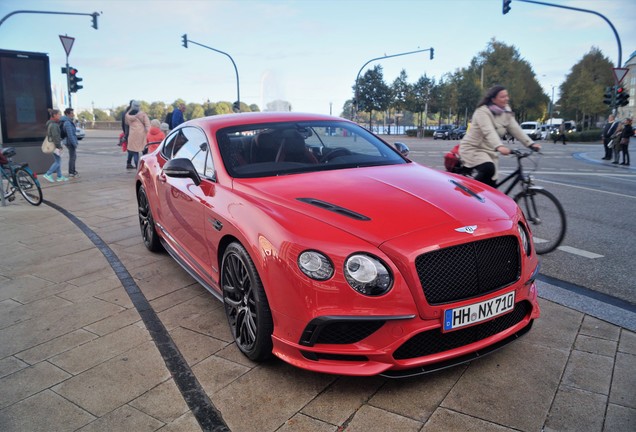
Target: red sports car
x,y
333,251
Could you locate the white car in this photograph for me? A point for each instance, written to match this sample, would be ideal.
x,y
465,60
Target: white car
x,y
80,132
532,129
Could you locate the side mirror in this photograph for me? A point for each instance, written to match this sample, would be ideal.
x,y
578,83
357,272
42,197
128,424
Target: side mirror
x,y
182,168
402,148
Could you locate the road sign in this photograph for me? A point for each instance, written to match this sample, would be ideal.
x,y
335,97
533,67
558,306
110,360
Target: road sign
x,y
67,43
619,74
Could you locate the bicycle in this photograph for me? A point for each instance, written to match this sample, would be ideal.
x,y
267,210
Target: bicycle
x,y
18,176
542,210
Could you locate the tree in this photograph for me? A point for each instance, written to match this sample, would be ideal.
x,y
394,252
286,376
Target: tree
x,y
583,88
400,89
278,106
417,99
254,108
372,92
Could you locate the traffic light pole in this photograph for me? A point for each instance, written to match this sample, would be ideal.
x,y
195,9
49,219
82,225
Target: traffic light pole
x,y
68,84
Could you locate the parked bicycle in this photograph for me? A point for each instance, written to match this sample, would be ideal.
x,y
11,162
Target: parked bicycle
x,y
18,176
542,210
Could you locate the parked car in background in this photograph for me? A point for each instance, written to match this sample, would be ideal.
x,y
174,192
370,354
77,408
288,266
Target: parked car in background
x,y
79,131
458,133
532,129
331,250
443,132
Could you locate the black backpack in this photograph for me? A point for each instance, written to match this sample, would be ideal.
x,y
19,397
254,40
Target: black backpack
x,y
62,130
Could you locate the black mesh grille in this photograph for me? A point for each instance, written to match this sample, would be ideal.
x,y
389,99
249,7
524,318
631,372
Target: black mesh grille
x,y
468,270
434,341
339,332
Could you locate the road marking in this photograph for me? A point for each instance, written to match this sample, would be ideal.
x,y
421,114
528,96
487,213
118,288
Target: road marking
x,y
572,250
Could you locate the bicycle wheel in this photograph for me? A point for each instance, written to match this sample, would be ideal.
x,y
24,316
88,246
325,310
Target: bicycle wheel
x,y
7,187
546,218
28,186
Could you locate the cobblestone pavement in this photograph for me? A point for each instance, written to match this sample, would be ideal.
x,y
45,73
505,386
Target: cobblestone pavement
x,y
77,352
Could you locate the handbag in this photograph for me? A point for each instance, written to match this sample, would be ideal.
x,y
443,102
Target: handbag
x,y
48,146
624,141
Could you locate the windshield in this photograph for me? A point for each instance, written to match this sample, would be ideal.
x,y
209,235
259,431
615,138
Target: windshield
x,y
285,148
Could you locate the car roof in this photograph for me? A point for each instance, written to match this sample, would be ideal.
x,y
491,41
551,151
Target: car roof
x,y
228,120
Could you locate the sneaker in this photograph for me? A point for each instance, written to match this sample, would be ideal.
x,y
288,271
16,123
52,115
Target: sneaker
x,y
48,177
129,166
74,175
62,179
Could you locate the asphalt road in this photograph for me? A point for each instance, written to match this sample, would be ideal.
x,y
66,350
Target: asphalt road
x,y
599,199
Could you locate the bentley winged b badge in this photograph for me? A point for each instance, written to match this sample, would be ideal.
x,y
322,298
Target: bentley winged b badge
x,y
467,229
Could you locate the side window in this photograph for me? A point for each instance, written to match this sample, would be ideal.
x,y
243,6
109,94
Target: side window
x,y
196,149
168,146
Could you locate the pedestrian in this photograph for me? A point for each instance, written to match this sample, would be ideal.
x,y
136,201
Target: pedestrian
x,y
155,134
606,136
165,128
71,142
480,147
138,127
560,135
177,116
168,119
628,132
124,126
616,143
53,132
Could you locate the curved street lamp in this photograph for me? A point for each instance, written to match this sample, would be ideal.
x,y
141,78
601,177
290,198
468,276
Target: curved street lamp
x,y
432,51
237,105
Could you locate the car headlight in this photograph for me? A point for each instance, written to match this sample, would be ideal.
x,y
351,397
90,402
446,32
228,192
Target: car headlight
x,y
367,275
315,265
525,239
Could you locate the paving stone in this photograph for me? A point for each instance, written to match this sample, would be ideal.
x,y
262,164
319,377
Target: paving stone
x,y
203,314
155,280
116,321
117,296
43,412
577,411
419,397
92,289
9,365
65,268
233,354
619,418
266,397
342,398
195,346
12,312
554,316
53,324
627,342
591,372
174,298
25,288
446,420
215,373
29,381
521,378
56,346
163,402
624,381
301,422
124,418
595,327
595,345
368,418
185,423
119,380
101,349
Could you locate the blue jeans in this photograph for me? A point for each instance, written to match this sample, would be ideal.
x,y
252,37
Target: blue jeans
x,y
133,156
56,167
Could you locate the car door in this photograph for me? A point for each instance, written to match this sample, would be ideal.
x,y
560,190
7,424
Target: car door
x,y
184,202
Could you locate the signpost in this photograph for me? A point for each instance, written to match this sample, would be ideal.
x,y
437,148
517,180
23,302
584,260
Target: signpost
x,y
619,74
67,43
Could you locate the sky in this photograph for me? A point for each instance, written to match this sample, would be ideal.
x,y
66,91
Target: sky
x,y
306,52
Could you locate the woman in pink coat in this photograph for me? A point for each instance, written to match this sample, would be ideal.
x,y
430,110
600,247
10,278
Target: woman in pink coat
x,y
138,128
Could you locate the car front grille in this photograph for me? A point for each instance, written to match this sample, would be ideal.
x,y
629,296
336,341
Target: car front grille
x,y
469,270
434,341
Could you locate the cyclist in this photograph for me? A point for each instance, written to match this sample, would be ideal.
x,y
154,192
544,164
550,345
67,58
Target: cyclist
x,y
479,149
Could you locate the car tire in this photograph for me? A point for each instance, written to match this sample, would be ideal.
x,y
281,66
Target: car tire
x,y
147,223
246,305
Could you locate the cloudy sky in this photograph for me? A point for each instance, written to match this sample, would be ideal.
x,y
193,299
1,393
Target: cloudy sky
x,y
307,52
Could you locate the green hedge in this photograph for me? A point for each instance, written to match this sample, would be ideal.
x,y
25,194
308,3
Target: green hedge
x,y
592,135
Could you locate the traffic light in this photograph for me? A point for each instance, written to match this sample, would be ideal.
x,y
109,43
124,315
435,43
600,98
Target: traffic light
x,y
236,107
64,71
506,6
432,53
607,96
73,80
622,97
184,40
95,15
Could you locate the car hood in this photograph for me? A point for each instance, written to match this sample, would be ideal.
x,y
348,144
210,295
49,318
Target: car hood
x,y
381,203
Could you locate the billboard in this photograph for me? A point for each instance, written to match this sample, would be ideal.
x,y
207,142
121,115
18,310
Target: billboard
x,y
25,96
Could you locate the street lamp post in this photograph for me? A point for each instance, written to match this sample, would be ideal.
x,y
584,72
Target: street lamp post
x,y
238,91
381,58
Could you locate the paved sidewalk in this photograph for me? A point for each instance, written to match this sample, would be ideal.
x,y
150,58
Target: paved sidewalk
x,y
75,353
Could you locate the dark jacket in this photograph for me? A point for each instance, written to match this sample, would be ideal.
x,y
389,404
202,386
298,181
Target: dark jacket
x,y
53,132
628,132
608,130
177,118
70,130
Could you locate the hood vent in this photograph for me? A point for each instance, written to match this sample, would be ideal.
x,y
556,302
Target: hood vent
x,y
334,208
467,190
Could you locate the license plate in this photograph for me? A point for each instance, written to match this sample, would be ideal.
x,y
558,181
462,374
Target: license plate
x,y
477,312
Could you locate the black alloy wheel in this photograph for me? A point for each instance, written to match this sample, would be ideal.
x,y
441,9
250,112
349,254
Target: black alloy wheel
x,y
147,223
246,305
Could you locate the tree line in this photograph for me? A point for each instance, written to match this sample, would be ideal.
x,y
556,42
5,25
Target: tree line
x,y
451,99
